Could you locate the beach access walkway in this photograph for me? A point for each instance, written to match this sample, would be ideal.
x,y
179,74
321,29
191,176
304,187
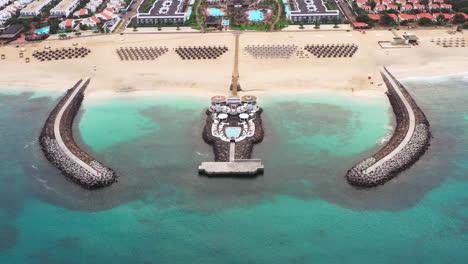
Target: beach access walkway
x,y
412,124
58,135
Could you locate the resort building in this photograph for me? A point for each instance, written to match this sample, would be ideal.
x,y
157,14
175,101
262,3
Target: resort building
x,y
446,6
425,15
393,16
105,16
80,13
360,3
34,8
379,8
406,8
447,17
436,1
392,7
407,17
64,8
366,8
166,12
310,11
93,5
11,33
401,2
387,2
374,17
67,24
91,22
434,6
419,7
413,1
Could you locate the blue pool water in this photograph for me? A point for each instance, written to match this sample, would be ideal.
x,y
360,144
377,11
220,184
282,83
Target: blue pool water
x,y
215,12
43,30
233,132
256,15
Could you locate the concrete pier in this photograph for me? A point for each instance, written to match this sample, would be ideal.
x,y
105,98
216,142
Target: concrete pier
x,y
250,167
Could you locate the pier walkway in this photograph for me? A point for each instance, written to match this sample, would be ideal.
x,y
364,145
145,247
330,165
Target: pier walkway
x,y
58,136
412,124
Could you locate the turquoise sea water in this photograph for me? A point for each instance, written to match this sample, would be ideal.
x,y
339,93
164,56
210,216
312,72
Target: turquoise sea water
x,y
301,211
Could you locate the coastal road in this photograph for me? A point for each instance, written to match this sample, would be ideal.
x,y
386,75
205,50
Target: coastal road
x,y
58,136
412,124
128,16
347,10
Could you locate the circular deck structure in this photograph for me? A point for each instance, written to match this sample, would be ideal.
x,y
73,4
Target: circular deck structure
x,y
218,99
248,98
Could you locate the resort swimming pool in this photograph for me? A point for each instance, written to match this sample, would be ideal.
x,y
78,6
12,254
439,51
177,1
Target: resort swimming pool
x,y
44,30
255,15
233,132
215,12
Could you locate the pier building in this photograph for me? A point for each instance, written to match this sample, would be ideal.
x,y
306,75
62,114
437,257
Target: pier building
x,y
233,126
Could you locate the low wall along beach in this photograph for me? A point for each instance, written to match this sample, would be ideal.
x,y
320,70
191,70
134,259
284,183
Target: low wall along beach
x,y
409,141
59,147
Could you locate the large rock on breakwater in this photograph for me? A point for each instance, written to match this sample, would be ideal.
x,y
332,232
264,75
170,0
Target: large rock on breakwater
x,y
360,175
77,165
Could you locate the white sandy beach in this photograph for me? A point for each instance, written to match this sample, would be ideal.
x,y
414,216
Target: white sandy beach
x,y
171,75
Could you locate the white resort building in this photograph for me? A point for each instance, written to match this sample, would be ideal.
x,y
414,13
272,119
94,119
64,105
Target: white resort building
x,y
34,8
64,8
309,11
166,12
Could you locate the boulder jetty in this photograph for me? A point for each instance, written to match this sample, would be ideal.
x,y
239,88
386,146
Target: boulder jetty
x,y
408,143
60,149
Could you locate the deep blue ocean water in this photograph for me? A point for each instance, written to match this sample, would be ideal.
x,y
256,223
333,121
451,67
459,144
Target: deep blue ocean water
x,y
300,211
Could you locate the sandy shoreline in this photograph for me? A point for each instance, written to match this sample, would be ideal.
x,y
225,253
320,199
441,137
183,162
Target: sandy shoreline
x,y
204,78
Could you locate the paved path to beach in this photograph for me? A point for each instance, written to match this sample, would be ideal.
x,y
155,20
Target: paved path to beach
x,y
412,124
59,138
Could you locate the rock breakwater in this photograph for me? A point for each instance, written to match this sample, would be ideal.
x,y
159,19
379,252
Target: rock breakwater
x,y
60,149
408,143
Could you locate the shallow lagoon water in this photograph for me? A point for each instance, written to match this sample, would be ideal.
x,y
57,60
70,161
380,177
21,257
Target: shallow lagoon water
x,y
301,211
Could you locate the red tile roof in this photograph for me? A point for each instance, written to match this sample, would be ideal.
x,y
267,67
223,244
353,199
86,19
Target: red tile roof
x,y
426,15
106,16
465,15
69,22
393,16
366,7
95,19
447,16
360,24
392,6
83,12
407,6
407,16
374,17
